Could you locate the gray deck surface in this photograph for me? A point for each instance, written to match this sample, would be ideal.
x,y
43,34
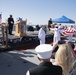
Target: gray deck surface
x,y
17,62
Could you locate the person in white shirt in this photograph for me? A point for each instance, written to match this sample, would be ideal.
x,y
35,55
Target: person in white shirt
x,y
60,26
71,35
56,34
42,34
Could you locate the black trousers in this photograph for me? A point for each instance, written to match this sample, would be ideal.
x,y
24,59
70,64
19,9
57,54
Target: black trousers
x,y
10,28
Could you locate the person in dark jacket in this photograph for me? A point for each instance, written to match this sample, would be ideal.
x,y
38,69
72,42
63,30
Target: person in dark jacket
x,y
44,52
49,23
10,23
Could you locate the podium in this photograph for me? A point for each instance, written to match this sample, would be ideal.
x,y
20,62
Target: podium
x,y
20,28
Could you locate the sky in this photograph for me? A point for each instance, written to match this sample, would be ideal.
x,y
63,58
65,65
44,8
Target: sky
x,y
38,11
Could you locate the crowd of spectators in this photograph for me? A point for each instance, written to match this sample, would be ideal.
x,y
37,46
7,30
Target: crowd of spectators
x,y
60,54
58,58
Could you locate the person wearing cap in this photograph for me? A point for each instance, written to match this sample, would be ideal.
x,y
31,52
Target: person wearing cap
x,y
10,23
44,52
42,34
56,34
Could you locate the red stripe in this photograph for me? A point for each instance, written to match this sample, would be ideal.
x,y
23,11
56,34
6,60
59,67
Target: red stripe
x,y
70,31
0,21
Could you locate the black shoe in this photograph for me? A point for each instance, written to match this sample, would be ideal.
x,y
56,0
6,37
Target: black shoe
x,y
11,34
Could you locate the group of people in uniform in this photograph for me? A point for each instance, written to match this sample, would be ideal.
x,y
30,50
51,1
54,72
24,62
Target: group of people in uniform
x,y
67,32
59,31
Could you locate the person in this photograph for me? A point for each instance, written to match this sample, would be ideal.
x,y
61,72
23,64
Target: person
x,y
70,35
73,72
49,23
56,46
42,34
60,26
56,34
64,58
10,23
45,67
73,47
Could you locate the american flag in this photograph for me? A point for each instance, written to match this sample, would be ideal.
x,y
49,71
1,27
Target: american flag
x,y
0,18
69,31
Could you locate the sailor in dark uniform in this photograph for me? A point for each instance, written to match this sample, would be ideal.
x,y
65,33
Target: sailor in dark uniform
x,y
44,52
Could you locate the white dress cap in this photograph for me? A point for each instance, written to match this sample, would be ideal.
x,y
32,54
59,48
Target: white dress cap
x,y
56,26
44,51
